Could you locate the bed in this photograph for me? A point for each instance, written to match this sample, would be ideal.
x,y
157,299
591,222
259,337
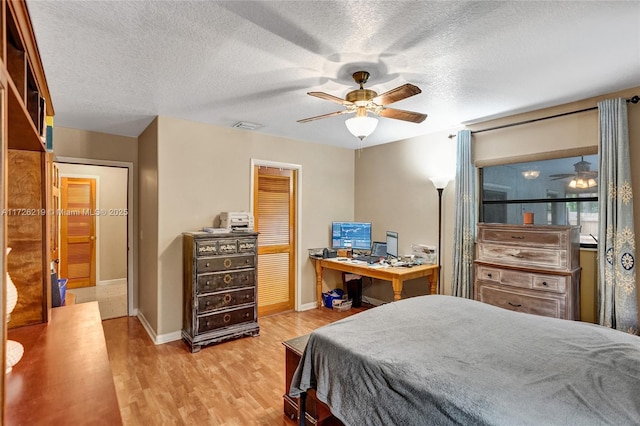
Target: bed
x,y
437,360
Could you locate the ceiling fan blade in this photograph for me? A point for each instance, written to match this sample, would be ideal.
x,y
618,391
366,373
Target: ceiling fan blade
x,y
399,114
329,97
331,114
561,176
397,94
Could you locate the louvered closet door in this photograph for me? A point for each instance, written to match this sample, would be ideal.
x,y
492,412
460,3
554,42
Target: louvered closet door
x,y
78,231
274,216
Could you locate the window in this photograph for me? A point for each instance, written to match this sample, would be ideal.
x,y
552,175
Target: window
x,y
562,191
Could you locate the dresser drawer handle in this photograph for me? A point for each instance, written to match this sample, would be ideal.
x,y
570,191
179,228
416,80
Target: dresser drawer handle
x,y
208,303
227,263
517,256
544,283
515,305
516,237
207,283
246,315
227,278
247,296
226,318
206,265
227,298
489,275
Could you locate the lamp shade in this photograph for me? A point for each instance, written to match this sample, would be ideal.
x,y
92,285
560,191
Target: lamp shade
x,y
582,183
440,182
361,127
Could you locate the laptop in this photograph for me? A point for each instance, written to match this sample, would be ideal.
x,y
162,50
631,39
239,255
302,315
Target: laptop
x,y
378,250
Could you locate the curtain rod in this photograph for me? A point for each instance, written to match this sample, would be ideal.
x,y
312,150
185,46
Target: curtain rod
x,y
633,100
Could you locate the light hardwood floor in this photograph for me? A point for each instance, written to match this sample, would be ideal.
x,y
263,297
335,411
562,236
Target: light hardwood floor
x,y
239,382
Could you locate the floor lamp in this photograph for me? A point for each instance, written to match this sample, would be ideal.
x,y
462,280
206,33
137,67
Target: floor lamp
x,y
440,183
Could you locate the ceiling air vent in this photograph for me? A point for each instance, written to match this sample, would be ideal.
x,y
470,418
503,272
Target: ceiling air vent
x,y
246,125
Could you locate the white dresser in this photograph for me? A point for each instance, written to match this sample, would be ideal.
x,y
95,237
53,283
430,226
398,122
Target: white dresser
x,y
529,268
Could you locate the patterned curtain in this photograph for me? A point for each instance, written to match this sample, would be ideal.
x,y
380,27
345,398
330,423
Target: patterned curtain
x,y
617,294
465,219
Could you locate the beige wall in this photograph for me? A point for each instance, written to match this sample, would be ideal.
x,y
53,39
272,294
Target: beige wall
x,y
104,148
148,227
394,192
203,170
94,145
111,194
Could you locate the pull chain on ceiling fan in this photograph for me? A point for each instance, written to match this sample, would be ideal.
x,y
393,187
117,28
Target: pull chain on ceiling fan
x,y
363,101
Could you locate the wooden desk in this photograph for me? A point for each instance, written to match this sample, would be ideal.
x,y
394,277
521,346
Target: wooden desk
x,y
397,276
64,376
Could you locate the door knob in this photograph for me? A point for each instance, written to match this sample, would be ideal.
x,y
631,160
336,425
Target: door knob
x,y
92,238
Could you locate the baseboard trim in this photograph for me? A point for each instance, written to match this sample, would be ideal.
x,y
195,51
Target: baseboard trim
x,y
169,337
307,306
116,281
155,338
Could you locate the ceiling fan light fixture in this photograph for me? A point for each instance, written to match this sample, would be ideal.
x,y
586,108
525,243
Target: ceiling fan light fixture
x,y
581,183
361,127
531,174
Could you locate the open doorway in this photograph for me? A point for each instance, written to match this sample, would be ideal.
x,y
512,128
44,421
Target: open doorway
x,y
93,245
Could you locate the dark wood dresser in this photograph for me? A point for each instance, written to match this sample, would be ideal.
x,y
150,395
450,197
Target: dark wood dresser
x,y
529,268
220,287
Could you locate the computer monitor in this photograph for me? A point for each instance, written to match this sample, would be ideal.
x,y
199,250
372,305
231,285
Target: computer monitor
x,y
351,235
379,249
392,244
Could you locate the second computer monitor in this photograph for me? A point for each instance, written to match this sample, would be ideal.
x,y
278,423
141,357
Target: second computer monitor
x,y
392,244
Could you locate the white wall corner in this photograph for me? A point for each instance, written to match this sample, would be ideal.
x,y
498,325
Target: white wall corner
x,y
158,339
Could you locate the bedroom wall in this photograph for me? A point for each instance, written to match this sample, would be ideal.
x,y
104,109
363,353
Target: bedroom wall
x,y
102,147
203,170
393,190
148,227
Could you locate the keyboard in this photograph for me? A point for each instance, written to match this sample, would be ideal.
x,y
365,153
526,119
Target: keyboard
x,y
369,259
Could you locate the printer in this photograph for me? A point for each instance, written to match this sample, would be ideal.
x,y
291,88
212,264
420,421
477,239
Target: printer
x,y
236,221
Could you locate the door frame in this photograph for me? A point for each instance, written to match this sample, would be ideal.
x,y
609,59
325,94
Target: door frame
x,y
96,217
132,229
298,251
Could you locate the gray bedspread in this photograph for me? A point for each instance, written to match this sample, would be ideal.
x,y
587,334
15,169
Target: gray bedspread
x,y
435,360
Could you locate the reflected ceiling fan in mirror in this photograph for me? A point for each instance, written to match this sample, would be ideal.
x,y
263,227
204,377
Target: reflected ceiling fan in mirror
x,y
583,177
364,101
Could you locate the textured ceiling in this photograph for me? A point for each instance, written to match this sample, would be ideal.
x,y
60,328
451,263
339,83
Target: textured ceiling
x,y
114,65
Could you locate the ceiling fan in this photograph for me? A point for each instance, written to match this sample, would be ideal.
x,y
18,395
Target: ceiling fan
x,y
362,101
583,177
